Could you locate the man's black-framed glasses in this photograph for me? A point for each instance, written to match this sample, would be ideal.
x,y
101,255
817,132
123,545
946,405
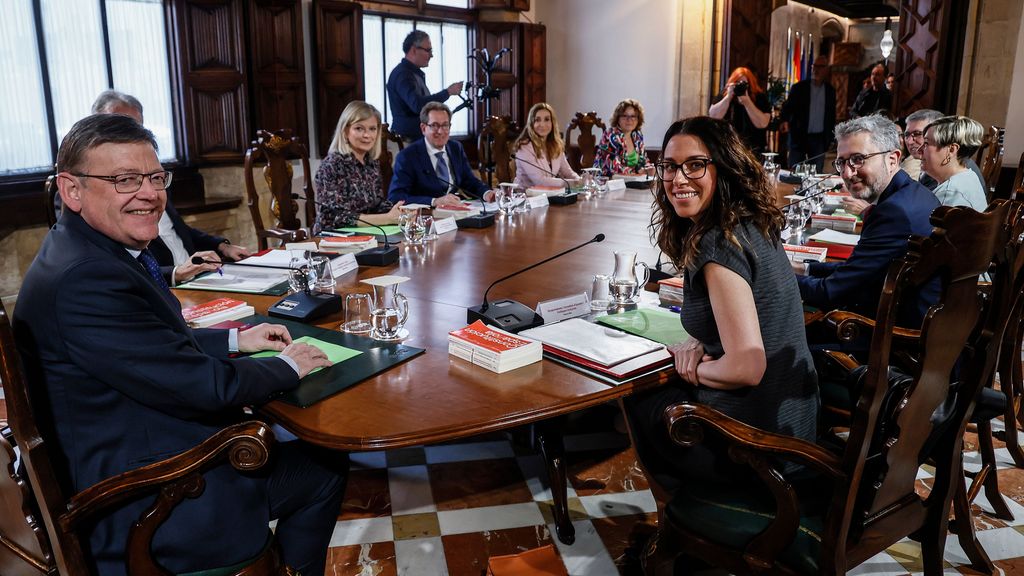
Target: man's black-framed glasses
x,y
427,50
855,161
694,169
130,182
439,127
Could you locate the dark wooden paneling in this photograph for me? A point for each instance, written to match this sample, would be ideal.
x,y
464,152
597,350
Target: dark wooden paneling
x,y
534,66
494,36
748,37
338,53
213,82
278,66
931,36
521,5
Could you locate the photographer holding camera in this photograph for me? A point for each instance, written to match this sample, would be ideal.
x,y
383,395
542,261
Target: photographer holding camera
x,y
745,105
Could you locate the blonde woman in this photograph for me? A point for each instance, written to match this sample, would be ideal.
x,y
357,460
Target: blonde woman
x,y
540,157
949,143
348,182
621,150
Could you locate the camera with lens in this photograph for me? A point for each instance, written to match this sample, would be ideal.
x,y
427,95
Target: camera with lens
x,y
740,88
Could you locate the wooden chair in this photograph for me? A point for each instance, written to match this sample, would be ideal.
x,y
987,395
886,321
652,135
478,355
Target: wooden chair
x,y
275,150
862,497
990,158
1017,190
494,149
50,200
40,521
387,159
582,156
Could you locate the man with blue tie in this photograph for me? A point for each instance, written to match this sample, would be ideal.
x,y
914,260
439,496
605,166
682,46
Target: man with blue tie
x,y
432,170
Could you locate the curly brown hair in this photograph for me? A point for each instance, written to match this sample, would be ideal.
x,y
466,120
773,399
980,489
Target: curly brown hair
x,y
743,191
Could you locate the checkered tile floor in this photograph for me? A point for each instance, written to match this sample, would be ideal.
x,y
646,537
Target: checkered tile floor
x,y
443,510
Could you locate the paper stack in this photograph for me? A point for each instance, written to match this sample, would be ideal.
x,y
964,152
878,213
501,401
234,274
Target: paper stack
x,y
670,290
216,311
805,253
494,349
346,244
457,212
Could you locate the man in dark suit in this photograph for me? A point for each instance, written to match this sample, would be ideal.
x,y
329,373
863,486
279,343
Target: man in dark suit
x,y
407,86
868,159
128,383
875,96
178,242
424,169
809,114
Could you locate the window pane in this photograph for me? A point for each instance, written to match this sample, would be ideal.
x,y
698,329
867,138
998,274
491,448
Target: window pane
x,y
394,32
435,78
373,64
138,53
452,3
75,55
24,110
455,47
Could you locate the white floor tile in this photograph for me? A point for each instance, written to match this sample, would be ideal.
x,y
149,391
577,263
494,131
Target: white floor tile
x,y
587,556
420,557
878,565
465,452
1002,543
489,518
619,504
536,475
367,460
362,531
410,490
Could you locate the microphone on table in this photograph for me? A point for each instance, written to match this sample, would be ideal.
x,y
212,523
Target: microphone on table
x,y
380,256
510,315
567,197
482,220
808,187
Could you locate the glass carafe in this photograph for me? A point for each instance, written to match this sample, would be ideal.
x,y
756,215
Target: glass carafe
x,y
625,286
771,167
388,313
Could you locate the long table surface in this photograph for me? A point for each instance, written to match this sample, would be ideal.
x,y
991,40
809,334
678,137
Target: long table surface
x,y
436,397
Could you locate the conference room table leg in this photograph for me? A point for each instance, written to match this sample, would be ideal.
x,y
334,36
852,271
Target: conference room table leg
x,y
552,449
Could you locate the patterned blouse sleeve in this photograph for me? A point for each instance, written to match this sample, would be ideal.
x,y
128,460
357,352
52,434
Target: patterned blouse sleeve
x,y
333,188
609,152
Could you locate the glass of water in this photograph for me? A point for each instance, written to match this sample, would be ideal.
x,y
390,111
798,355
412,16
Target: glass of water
x,y
301,275
412,227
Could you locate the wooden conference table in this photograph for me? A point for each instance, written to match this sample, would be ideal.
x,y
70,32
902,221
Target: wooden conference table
x,y
436,397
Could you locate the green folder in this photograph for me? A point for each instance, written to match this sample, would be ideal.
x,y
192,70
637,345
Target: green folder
x,y
390,230
335,353
654,324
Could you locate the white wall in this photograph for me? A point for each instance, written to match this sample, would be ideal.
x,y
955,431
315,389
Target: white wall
x,y
601,51
1014,143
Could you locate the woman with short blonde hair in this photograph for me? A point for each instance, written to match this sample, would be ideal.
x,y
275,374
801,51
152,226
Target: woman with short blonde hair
x,y
949,143
540,151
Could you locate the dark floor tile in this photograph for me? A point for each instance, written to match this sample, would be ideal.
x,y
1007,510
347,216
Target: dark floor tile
x,y
467,554
602,472
477,483
625,537
366,495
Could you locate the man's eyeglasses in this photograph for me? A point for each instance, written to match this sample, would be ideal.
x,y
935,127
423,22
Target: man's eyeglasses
x,y
427,50
855,161
440,127
913,135
693,169
130,182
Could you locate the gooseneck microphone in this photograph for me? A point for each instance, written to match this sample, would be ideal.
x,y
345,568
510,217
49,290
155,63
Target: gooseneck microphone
x,y
481,220
510,315
380,256
808,187
567,197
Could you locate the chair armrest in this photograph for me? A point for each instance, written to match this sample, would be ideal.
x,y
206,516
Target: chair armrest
x,y
849,324
246,445
684,428
284,235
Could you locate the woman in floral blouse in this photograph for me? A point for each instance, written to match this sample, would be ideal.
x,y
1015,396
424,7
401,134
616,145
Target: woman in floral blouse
x,y
348,182
621,150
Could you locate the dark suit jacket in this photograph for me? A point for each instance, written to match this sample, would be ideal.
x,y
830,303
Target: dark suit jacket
x,y
416,180
407,94
128,383
797,108
193,240
856,284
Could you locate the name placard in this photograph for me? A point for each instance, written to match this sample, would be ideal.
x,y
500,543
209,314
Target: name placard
x,y
616,184
445,225
344,264
563,308
537,201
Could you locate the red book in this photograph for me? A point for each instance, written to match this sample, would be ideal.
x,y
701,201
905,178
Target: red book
x,y
841,251
494,349
651,361
344,239
214,311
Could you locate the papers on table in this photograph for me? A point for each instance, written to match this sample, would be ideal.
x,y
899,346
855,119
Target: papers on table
x,y
829,236
600,344
275,258
239,279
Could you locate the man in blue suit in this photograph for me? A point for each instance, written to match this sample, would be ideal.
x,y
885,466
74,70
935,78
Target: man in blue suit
x,y
433,169
128,383
868,160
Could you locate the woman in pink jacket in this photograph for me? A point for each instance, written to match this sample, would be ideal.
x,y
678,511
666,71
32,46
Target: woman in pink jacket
x,y
540,158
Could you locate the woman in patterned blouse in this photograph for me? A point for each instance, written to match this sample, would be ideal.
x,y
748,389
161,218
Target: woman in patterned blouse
x,y
348,182
617,154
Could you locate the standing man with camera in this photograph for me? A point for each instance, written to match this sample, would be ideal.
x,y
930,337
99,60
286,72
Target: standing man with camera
x,y
745,105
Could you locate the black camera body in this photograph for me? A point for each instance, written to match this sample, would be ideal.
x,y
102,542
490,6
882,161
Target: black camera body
x,y
740,88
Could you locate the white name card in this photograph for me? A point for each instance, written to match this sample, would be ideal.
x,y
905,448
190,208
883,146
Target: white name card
x,y
537,201
616,184
309,246
445,225
563,308
344,264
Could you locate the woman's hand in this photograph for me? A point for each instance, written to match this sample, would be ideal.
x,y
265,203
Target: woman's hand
x,y
688,355
392,215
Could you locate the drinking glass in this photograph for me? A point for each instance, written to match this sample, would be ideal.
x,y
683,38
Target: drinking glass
x,y
601,181
590,181
599,298
357,314
519,200
321,266
412,226
771,167
504,197
301,276
427,221
795,223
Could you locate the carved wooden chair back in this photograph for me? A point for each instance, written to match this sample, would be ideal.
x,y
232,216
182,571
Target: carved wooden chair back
x,y
40,522
582,155
990,157
387,158
874,500
273,151
494,149
1017,190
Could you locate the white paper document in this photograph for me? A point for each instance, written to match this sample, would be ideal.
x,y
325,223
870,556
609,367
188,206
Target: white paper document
x,y
834,237
606,346
240,278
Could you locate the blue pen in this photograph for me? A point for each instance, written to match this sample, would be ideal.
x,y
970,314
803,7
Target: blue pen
x,y
675,309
